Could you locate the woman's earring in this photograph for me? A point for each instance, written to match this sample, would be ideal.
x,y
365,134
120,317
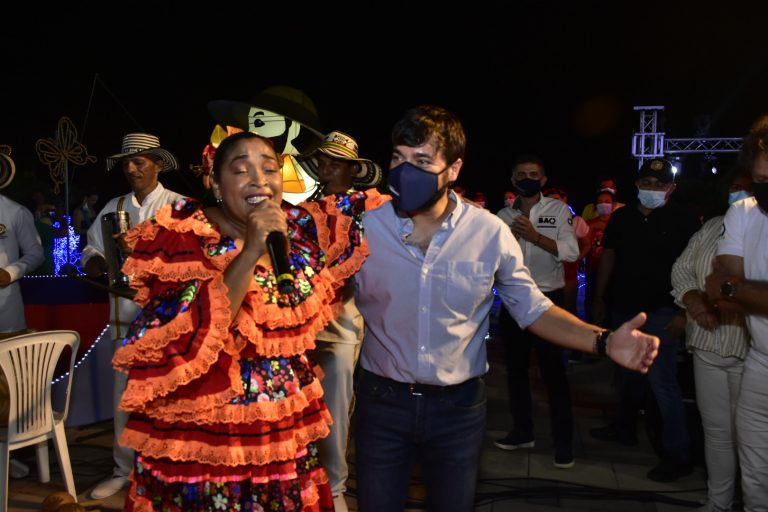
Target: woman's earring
x,y
219,201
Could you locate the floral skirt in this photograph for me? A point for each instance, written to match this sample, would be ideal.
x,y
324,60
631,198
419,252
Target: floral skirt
x,y
162,485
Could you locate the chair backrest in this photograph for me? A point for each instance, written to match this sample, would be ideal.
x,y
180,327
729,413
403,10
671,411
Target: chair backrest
x,y
29,362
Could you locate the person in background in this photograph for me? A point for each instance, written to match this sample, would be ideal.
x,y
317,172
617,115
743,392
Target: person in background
x,y
225,406
85,213
336,166
718,341
509,198
739,280
20,253
544,229
604,207
571,268
425,293
141,160
604,184
640,245
479,199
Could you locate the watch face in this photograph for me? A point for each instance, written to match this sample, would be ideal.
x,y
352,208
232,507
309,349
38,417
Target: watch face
x,y
728,289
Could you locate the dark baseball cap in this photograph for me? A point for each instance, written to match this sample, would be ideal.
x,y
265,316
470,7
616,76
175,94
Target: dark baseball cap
x,y
658,168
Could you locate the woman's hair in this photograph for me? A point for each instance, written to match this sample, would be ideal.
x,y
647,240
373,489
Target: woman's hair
x,y
222,152
755,142
420,123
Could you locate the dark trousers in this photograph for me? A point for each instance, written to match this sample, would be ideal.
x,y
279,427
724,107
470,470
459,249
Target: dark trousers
x,y
397,425
518,345
662,378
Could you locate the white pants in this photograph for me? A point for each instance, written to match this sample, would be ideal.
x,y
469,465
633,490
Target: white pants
x,y
338,363
123,456
752,432
718,380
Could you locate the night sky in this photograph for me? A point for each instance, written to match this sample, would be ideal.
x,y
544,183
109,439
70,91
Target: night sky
x,y
559,79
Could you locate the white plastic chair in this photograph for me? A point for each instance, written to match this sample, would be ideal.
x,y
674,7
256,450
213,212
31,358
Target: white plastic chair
x,y
29,362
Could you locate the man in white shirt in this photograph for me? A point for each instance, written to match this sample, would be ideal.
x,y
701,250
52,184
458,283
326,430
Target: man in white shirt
x,y
141,160
426,292
740,281
20,253
544,229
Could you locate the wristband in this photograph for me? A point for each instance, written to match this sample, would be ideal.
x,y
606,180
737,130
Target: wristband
x,y
600,345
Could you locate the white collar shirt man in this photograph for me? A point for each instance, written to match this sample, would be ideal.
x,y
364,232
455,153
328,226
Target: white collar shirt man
x,y
553,219
20,252
449,287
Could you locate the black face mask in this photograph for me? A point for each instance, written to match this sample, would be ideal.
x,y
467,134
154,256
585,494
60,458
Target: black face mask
x,y
528,187
760,191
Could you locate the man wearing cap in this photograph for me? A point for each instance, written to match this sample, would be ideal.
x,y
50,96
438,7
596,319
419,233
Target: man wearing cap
x,y
640,244
336,166
141,159
20,253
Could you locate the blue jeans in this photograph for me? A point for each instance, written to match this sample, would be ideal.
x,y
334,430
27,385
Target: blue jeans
x,y
441,428
662,376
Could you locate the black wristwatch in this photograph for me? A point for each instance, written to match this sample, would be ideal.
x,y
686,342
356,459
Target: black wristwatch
x,y
728,289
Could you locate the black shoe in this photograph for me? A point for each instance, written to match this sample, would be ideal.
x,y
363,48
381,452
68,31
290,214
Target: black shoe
x,y
564,459
515,440
669,471
611,433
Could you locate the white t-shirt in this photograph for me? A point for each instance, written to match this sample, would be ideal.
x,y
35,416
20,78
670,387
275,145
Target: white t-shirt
x,y
746,235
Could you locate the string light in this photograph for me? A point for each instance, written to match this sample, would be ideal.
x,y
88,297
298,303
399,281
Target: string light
x,y
85,356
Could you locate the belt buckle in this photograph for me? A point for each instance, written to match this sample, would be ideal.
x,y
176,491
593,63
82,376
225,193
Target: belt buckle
x,y
412,391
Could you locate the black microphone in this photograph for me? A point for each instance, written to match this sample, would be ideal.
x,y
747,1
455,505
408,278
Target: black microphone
x,y
277,245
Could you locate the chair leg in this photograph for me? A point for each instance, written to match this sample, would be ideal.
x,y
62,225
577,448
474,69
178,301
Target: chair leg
x,y
5,459
62,453
43,464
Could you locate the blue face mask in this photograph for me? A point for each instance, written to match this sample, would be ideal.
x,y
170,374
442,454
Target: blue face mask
x,y
738,195
413,188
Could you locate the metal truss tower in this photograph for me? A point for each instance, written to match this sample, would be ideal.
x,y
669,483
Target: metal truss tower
x,y
649,142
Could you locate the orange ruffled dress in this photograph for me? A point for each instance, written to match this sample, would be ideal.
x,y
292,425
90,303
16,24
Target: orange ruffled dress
x,y
225,415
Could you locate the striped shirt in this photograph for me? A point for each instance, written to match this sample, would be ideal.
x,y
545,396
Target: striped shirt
x,y
731,338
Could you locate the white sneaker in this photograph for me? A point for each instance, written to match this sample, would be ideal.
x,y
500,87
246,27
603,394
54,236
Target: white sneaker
x,y
340,503
18,469
108,487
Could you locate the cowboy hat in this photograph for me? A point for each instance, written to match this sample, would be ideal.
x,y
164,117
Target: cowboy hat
x,y
283,100
343,147
7,170
139,144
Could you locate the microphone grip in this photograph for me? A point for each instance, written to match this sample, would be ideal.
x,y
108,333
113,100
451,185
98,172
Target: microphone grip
x,y
277,245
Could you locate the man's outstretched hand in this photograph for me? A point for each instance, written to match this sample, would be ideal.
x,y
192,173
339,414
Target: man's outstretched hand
x,y
632,348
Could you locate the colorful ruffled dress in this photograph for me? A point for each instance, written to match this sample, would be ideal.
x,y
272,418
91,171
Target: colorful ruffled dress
x,y
225,415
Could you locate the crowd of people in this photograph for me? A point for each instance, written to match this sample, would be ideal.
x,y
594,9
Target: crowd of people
x,y
234,392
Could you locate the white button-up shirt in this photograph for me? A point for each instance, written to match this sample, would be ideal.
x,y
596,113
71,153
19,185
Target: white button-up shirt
x,y
20,252
553,219
427,315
